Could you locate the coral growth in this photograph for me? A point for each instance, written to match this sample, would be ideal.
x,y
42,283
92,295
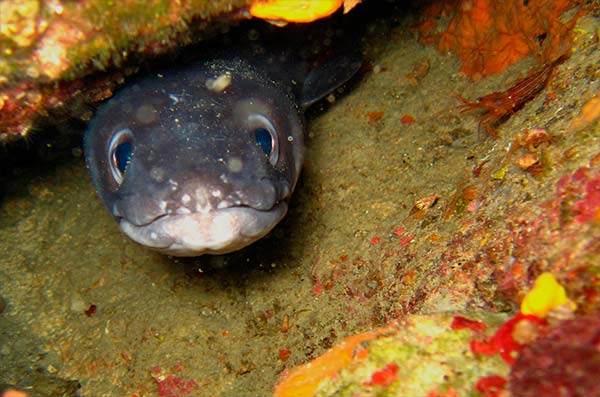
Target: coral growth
x,y
490,35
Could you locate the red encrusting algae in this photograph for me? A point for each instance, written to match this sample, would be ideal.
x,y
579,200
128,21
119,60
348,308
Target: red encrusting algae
x,y
565,361
491,386
502,341
588,209
460,322
384,377
407,119
169,385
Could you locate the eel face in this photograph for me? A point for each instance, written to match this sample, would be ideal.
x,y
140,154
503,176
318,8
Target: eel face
x,y
201,159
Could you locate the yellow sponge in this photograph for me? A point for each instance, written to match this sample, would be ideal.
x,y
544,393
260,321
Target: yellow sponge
x,y
546,295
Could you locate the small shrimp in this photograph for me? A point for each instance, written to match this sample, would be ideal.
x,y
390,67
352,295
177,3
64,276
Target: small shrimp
x,y
500,105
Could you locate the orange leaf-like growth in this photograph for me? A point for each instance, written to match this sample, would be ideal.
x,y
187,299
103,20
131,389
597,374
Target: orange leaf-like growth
x,y
489,35
304,380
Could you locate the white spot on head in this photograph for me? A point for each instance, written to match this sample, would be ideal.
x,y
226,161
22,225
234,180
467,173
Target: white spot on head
x,y
185,198
220,83
235,164
216,193
153,236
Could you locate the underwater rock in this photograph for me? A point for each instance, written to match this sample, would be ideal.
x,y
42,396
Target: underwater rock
x,y
420,355
50,48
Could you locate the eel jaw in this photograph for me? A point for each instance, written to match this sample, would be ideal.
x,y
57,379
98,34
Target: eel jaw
x,y
215,232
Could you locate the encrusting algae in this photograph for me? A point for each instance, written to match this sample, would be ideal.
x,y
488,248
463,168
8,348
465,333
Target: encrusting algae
x,y
385,344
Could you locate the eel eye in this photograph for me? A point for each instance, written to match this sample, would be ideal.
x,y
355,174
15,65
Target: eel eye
x,y
120,153
265,136
264,140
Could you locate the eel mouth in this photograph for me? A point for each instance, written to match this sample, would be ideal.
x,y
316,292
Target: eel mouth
x,y
214,232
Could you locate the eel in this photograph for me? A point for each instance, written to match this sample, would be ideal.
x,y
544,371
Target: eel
x,y
203,157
